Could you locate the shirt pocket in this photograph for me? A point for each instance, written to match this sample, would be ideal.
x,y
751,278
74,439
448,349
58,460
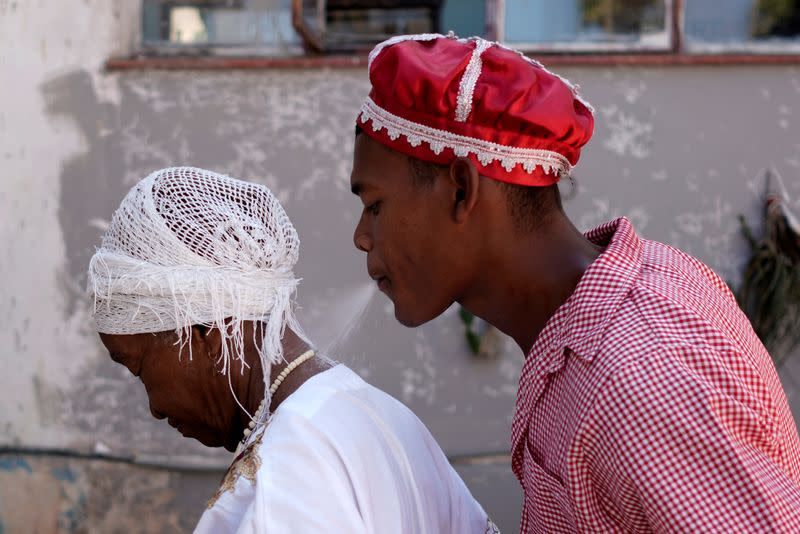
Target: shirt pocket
x,y
548,505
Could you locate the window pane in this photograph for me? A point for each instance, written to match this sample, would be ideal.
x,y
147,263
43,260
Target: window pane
x,y
587,24
373,25
464,17
362,23
258,24
743,24
265,26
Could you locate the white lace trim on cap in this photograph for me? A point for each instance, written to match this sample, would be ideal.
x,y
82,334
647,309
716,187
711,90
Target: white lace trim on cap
x,y
467,85
486,151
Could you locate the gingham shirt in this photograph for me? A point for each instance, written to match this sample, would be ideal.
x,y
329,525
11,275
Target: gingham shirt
x,y
648,404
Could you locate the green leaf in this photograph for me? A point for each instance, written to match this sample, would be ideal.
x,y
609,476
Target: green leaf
x,y
474,342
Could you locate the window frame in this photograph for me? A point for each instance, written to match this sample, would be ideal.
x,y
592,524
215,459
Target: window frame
x,y
679,41
556,47
163,48
680,52
687,47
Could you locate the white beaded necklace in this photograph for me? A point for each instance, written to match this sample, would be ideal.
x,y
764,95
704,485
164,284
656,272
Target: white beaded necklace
x,y
272,389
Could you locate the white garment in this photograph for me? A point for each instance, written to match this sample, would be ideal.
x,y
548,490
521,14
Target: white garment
x,y
342,456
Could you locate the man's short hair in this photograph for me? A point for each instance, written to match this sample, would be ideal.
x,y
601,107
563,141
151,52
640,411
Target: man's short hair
x,y
530,206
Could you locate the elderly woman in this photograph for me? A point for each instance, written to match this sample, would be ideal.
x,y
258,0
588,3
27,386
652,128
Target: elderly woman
x,y
193,291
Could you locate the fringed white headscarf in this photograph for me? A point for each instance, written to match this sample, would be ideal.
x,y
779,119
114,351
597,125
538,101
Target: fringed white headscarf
x,y
191,247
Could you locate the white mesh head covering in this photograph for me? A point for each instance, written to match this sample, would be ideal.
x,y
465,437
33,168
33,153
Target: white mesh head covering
x,y
188,246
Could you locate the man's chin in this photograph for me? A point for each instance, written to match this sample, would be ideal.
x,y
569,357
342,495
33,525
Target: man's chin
x,y
412,316
410,321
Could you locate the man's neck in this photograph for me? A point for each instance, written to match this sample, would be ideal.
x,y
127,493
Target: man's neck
x,y
528,277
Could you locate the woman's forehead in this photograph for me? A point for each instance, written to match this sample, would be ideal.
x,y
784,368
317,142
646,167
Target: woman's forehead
x,y
120,342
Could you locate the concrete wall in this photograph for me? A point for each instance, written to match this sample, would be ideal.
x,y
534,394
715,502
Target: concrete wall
x,y
678,150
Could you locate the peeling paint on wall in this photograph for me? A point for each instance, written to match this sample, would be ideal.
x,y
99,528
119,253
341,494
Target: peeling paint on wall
x,y
47,494
48,334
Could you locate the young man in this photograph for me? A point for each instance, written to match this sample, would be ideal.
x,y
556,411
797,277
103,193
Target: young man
x,y
646,401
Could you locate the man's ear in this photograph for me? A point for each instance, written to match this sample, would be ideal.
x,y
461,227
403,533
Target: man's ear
x,y
466,181
207,340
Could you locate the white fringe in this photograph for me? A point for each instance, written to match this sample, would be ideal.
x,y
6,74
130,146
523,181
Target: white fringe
x,y
549,161
191,247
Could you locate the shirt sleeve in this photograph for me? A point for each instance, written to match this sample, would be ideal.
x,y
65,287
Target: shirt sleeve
x,y
684,441
302,487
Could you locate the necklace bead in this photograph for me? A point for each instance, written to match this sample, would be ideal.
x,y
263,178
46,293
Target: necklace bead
x,y
272,389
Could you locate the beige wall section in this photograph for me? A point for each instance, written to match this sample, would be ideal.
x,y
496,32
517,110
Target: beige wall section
x,y
44,340
678,150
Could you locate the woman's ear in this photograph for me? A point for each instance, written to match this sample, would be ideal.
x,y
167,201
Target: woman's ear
x,y
466,182
207,340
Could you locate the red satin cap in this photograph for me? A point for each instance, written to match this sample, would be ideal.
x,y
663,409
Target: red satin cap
x,y
437,97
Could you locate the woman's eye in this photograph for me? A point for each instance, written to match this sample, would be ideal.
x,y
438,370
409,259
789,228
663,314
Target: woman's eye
x,y
374,208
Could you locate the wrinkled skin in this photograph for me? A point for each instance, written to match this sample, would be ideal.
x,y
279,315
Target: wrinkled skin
x,y
193,395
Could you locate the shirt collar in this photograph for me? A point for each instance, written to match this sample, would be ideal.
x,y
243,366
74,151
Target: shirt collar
x,y
579,323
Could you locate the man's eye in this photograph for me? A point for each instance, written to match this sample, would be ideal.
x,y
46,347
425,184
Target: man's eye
x,y
374,208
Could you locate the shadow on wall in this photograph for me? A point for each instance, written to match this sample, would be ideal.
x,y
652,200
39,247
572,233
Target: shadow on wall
x,y
105,403
89,180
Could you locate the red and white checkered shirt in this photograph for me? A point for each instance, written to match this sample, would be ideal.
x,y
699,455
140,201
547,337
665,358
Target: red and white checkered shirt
x,y
648,404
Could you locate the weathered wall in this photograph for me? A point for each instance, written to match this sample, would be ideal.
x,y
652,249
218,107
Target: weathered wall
x,y
678,150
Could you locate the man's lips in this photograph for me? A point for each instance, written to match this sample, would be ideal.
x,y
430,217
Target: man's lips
x,y
383,284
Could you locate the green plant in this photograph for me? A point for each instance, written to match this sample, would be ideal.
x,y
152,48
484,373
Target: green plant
x,y
484,340
470,331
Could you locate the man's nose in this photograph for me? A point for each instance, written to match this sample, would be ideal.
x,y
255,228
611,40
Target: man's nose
x,y
362,242
361,239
